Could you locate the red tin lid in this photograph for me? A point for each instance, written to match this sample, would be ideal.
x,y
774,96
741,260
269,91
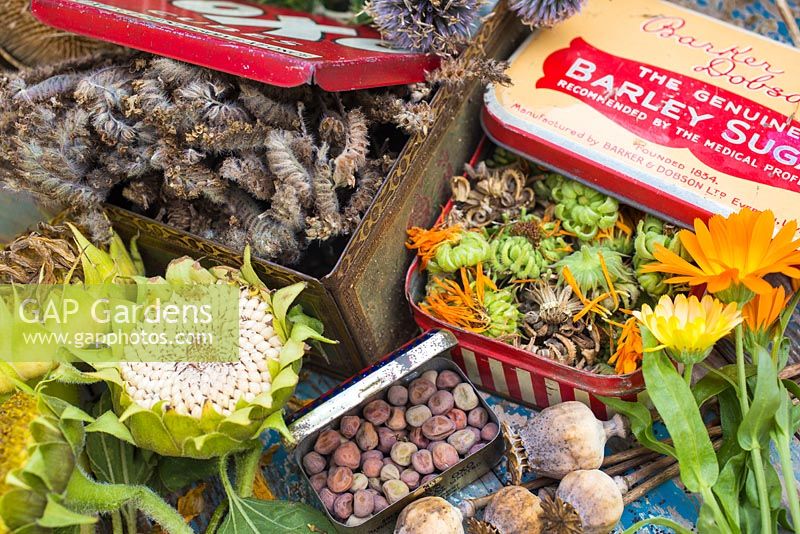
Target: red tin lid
x,y
667,109
273,45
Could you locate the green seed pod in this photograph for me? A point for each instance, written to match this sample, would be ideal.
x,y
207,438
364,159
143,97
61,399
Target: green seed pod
x,y
501,158
471,249
517,256
503,312
585,267
649,233
583,210
544,187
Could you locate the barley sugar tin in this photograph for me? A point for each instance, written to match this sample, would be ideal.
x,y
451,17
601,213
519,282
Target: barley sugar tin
x,y
673,111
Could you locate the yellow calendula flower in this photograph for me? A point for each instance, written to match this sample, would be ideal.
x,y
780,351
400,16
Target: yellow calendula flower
x,y
687,327
733,254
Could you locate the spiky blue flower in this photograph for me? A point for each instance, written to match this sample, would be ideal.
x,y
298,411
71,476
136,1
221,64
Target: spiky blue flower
x,y
537,13
435,26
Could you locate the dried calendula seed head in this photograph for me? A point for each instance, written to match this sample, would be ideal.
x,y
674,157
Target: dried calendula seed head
x,y
204,409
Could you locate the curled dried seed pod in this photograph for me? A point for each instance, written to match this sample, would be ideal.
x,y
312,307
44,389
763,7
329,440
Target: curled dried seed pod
x,y
327,221
369,181
332,130
267,110
251,174
287,169
354,155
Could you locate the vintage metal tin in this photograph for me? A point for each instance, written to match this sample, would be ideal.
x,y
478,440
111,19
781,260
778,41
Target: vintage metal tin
x,y
270,44
407,363
668,109
515,373
360,299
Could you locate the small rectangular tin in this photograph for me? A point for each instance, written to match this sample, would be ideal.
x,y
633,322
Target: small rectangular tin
x,y
407,363
670,110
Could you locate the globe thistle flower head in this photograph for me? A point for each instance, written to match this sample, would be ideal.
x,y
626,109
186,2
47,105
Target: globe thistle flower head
x,y
537,13
428,26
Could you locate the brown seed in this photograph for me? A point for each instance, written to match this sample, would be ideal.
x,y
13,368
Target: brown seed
x,y
465,397
397,419
327,442
411,478
366,455
372,467
348,455
430,376
360,482
314,463
343,506
489,431
438,427
389,472
419,391
377,412
463,440
478,417
395,490
444,455
340,480
367,437
363,503
328,498
397,395
381,503
441,402
386,439
422,461
349,425
448,379
475,448
417,415
402,451
319,481
458,417
418,438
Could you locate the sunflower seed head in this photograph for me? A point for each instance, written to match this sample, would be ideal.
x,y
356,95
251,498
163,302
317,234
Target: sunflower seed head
x,y
187,386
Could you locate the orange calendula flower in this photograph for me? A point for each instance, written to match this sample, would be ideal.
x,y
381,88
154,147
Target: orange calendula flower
x,y
761,313
629,348
733,254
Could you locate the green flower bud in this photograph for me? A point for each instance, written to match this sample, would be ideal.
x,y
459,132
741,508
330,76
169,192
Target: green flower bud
x,y
650,232
545,186
503,313
586,268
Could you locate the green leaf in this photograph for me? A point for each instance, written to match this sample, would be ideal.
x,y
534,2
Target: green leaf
x,y
108,423
715,382
675,403
641,424
248,273
251,516
57,516
658,521
177,473
757,423
730,414
729,486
